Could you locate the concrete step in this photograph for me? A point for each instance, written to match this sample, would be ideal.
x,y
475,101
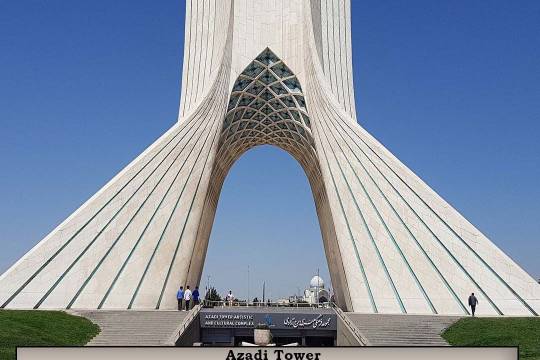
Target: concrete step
x,y
132,327
402,330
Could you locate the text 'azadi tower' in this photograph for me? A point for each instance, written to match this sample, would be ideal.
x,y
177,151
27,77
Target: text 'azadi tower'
x,y
269,72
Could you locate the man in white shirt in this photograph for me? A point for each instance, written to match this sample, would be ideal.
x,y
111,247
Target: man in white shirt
x,y
230,298
187,297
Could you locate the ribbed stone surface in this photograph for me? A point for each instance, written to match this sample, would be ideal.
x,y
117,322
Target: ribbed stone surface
x,y
278,73
402,330
134,328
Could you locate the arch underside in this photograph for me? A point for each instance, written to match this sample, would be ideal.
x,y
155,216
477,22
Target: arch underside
x,y
392,244
267,107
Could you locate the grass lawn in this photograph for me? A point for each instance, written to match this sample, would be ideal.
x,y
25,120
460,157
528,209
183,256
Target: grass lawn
x,y
37,328
524,332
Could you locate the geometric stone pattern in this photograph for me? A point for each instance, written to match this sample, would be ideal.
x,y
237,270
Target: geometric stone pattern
x,y
266,106
269,72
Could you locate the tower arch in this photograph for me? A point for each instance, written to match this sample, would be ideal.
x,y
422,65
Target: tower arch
x,y
393,245
267,106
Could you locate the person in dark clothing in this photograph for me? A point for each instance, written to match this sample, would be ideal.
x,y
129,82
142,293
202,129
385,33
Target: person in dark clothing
x,y
195,296
473,301
180,297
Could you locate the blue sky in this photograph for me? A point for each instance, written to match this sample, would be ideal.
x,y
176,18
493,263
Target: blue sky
x,y
452,88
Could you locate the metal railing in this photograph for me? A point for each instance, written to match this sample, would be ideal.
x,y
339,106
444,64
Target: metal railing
x,y
363,341
192,314
236,303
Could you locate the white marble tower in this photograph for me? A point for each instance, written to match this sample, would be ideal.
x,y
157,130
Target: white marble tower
x,y
269,72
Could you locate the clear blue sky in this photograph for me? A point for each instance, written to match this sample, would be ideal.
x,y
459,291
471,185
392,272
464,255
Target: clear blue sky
x,y
452,88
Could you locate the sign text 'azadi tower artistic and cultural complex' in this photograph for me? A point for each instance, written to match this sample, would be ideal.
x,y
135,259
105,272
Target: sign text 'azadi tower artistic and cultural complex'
x,y
279,73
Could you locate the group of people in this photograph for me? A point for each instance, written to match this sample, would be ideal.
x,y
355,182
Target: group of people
x,y
185,297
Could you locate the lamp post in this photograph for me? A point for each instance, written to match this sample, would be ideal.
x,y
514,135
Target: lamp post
x,y
207,286
317,288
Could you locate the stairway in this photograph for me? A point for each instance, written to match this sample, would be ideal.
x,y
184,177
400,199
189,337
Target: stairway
x,y
133,328
402,330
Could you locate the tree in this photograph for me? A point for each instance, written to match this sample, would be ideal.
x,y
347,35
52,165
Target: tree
x,y
212,295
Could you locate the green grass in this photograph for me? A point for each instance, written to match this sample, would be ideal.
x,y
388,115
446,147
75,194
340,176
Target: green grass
x,y
523,332
42,328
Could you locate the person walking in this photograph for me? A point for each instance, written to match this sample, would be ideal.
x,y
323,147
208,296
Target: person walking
x,y
187,297
180,297
473,301
196,296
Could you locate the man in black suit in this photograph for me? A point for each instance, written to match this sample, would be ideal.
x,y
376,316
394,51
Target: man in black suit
x,y
473,301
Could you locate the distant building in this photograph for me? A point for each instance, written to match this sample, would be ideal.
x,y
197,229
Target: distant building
x,y
316,292
283,302
295,299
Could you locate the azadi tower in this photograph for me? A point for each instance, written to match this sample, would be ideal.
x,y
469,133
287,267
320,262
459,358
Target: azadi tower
x,y
279,73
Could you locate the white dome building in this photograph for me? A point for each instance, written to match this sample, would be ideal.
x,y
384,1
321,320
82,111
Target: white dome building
x,y
316,282
316,293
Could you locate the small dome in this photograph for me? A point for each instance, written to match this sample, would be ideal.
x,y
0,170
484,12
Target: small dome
x,y
317,281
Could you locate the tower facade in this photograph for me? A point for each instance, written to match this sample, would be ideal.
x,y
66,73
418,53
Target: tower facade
x,y
279,73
